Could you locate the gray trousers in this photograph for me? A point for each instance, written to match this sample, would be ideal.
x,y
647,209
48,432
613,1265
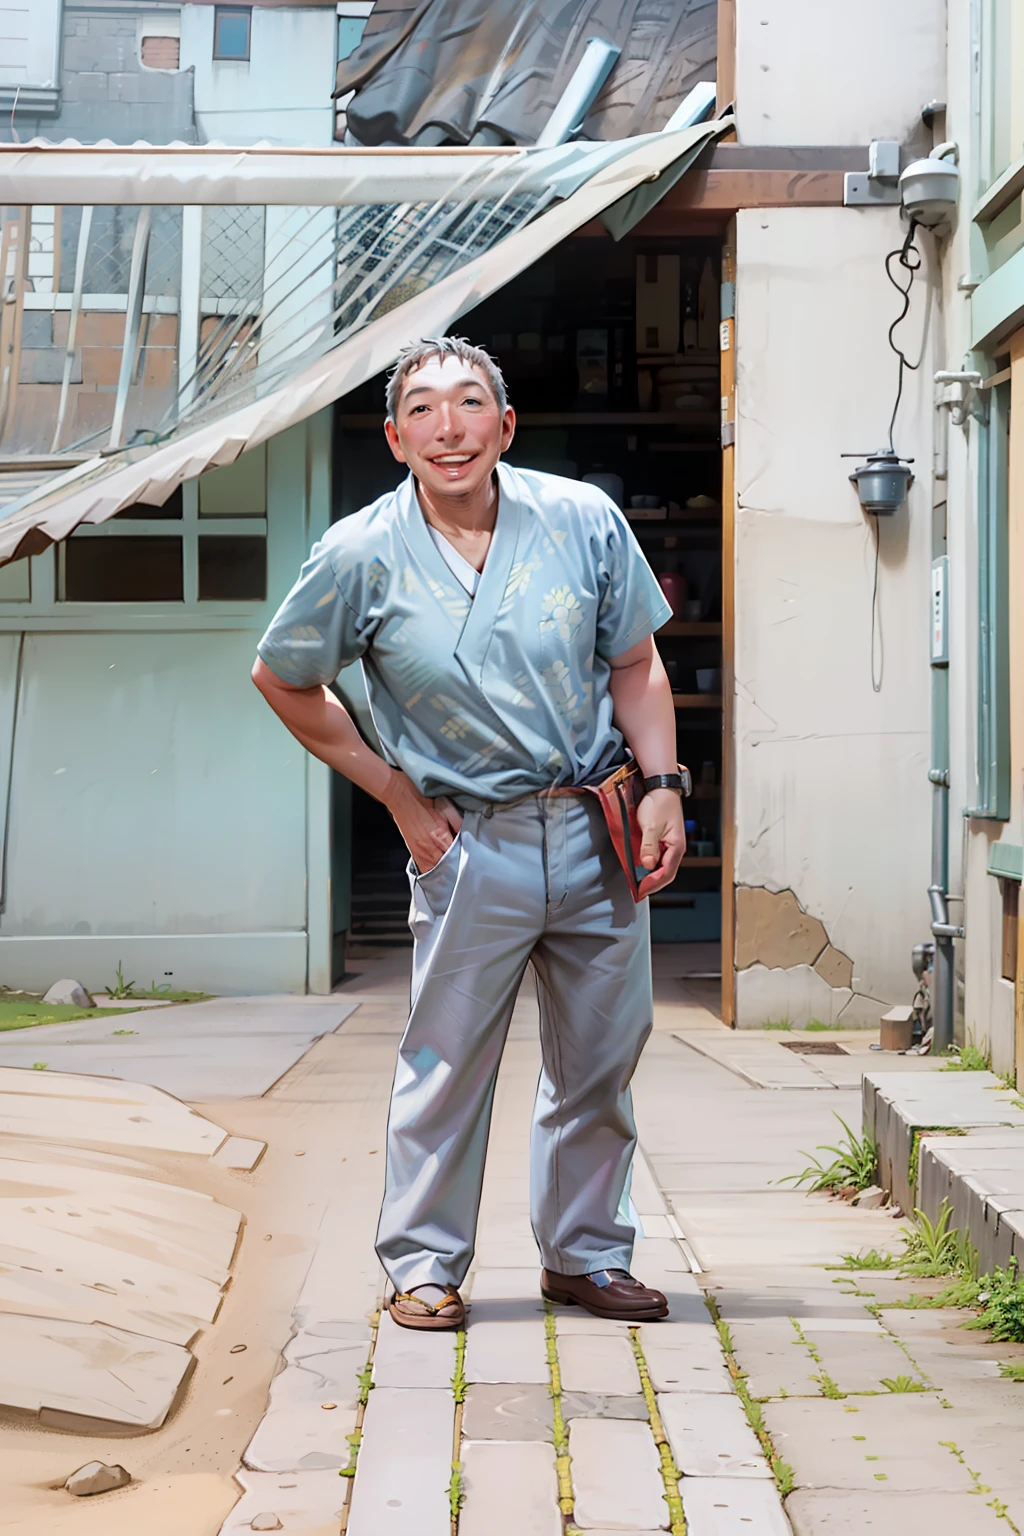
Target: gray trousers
x,y
534,881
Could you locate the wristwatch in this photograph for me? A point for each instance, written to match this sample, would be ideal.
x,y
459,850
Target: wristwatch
x,y
680,781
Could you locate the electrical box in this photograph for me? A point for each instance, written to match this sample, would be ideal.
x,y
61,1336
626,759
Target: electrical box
x,y
657,304
940,612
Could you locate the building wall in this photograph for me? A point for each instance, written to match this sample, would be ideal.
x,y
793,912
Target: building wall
x,y
158,815
106,91
281,94
836,73
832,789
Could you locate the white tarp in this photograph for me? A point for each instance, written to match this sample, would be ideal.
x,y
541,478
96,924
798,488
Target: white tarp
x,y
97,490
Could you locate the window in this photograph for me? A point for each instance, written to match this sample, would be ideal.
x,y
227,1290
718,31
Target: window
x,y
206,544
994,613
1011,910
232,28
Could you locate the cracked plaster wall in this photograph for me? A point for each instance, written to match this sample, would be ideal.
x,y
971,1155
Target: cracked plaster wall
x,y
832,794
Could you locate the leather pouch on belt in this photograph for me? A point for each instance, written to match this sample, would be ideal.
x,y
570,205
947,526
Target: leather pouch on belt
x,y
620,794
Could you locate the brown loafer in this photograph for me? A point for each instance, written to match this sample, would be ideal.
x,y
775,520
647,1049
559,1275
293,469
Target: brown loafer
x,y
412,1311
606,1293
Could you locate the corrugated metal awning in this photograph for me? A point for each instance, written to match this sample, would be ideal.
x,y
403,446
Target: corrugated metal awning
x,y
430,264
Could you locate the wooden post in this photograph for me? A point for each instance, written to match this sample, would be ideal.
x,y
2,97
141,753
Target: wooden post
x,y
727,342
726,71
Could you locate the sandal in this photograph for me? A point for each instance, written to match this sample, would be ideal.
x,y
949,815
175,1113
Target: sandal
x,y
412,1311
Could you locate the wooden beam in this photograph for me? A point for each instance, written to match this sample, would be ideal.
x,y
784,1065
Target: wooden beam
x,y
726,73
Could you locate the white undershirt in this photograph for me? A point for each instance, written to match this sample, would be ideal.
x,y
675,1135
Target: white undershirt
x,y
459,566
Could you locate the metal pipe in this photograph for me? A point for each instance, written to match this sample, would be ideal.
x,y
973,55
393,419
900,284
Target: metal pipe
x,y
85,229
132,322
589,76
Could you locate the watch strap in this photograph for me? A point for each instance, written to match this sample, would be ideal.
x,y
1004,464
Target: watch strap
x,y
678,781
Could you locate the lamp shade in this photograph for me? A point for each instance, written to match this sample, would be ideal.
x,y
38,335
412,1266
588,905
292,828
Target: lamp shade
x,y
882,483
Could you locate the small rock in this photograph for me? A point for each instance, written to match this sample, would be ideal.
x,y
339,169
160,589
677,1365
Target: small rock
x,y
236,1349
266,1522
69,993
96,1476
870,1199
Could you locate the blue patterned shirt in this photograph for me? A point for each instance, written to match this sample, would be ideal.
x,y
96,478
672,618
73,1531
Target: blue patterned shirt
x,y
490,697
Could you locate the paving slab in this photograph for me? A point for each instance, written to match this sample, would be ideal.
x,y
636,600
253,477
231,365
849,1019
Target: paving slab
x,y
507,1352
240,1152
493,1284
695,1366
510,1490
502,1412
405,1357
896,1439
88,1376
882,1512
297,1432
710,1436
303,1501
190,1050
406,1494
616,1476
598,1363
596,1405
732,1506
859,1362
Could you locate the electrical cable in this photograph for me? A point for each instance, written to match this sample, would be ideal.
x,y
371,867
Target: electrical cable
x,y
903,254
909,258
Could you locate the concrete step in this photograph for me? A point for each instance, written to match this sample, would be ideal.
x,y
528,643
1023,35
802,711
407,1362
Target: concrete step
x,y
956,1137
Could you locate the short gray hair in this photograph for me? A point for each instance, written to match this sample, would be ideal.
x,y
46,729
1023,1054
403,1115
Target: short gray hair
x,y
419,352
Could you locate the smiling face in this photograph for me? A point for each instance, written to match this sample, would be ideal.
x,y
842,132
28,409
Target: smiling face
x,y
448,427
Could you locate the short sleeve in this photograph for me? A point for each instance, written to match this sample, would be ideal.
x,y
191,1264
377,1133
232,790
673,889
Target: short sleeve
x,y
316,631
633,605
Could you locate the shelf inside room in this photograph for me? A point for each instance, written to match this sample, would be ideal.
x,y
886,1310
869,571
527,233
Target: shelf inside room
x,y
697,700
682,629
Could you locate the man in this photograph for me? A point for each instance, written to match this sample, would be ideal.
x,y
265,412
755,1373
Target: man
x,y
504,619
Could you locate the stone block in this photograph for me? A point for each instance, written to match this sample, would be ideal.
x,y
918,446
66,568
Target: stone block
x,y
899,1439
405,1357
598,1363
126,86
510,1490
696,1366
69,993
302,1501
503,1412
883,1512
406,1494
89,85
732,1506
240,1152
507,1352
710,1436
596,1405
616,1475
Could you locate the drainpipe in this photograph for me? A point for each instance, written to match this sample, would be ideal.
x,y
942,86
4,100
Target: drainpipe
x,y
943,931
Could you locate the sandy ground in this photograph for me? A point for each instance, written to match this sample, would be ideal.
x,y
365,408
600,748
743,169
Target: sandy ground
x,y
183,1482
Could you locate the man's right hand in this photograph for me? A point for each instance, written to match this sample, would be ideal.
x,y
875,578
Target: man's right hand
x,y
428,826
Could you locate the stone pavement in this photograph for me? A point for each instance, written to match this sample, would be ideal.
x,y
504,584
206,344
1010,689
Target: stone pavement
x,y
781,1395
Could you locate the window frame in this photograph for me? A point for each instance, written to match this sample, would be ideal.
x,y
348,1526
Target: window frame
x,y
221,12
993,738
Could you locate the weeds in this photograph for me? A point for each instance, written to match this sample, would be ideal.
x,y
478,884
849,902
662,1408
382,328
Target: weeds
x,y
560,1435
934,1249
1001,1298
785,1478
776,1024
871,1259
901,1384
828,1387
459,1378
853,1166
968,1058
121,988
670,1473
815,1026
40,1066
456,1493
352,1441
1013,1370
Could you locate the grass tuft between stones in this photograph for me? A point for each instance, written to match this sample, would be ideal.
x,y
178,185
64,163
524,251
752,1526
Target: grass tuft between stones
x,y
785,1477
